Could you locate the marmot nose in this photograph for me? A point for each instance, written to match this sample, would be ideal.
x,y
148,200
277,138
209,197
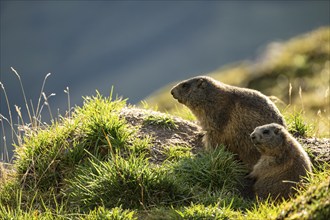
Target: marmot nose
x,y
253,136
172,92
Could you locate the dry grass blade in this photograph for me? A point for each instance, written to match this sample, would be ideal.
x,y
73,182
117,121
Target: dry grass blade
x,y
23,92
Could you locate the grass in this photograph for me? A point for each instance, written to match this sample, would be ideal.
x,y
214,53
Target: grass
x,y
163,120
61,214
199,211
113,214
314,203
177,152
215,170
297,125
90,164
131,183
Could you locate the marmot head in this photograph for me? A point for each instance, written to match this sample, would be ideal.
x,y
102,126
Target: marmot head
x,y
268,138
196,91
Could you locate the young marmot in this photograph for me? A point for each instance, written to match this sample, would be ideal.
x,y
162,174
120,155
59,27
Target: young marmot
x,y
227,114
282,163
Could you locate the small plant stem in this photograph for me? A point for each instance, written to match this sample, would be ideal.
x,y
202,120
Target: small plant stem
x,y
9,111
38,111
5,150
290,93
22,88
67,91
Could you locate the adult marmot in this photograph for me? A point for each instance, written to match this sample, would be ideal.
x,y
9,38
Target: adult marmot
x,y
227,114
282,163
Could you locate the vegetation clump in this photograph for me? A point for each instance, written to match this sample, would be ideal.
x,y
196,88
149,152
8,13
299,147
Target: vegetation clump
x,y
164,121
214,170
94,160
127,182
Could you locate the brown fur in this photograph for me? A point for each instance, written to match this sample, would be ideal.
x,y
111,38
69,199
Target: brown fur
x,y
227,114
282,163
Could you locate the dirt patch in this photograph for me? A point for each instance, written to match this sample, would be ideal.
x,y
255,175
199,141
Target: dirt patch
x,y
184,133
318,149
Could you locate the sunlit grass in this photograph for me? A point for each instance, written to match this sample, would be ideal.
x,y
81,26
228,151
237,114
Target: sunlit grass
x,y
162,120
131,183
88,165
177,152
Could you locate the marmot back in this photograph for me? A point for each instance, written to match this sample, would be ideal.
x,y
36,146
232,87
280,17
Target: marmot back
x,y
227,114
282,164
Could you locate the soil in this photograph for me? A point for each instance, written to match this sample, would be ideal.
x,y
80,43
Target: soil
x,y
317,148
185,133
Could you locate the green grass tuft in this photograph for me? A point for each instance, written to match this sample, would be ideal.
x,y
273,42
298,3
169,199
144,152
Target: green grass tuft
x,y
312,202
176,152
199,211
297,125
132,183
214,170
113,214
49,155
163,120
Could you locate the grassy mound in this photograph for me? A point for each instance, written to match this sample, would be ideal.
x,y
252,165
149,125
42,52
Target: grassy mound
x,y
107,160
93,162
95,165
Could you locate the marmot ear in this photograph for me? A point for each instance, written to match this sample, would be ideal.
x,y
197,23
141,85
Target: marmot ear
x,y
277,130
201,83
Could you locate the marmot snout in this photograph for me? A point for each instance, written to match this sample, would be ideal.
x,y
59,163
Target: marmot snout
x,y
187,91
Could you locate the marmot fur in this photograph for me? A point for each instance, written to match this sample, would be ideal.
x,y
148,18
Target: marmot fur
x,y
227,114
282,163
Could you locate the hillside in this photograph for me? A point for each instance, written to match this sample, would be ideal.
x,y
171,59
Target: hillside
x,y
109,160
295,73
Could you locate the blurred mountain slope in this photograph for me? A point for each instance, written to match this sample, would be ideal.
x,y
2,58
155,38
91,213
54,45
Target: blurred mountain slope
x,y
296,73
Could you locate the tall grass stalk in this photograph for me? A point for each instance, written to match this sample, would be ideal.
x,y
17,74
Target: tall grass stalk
x,y
38,111
34,115
47,104
301,99
4,155
9,111
67,91
290,94
23,92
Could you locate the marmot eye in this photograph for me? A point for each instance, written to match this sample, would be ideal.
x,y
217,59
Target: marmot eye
x,y
265,132
185,85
